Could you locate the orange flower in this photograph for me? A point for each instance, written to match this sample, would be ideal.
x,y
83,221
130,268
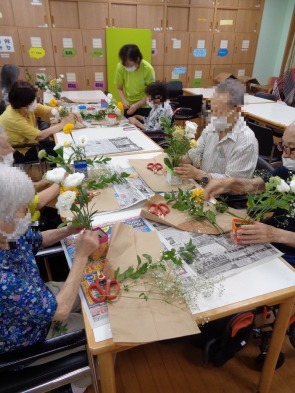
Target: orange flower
x,y
53,102
120,105
64,189
68,128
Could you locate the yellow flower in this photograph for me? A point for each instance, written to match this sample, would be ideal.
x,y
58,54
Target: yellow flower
x,y
68,128
179,129
64,189
60,108
53,102
120,105
193,143
67,144
293,178
52,82
198,195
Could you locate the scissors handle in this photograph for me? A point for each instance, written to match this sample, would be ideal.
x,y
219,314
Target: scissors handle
x,y
109,283
97,286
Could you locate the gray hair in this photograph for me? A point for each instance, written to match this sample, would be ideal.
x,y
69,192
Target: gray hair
x,y
234,89
16,190
9,74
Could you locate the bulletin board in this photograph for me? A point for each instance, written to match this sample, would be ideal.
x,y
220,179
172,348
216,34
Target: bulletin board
x,y
115,39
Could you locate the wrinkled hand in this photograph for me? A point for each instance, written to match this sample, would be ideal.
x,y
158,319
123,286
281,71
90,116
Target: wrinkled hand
x,y
133,108
188,171
87,243
5,147
126,104
215,187
257,233
78,117
73,230
67,119
133,120
185,160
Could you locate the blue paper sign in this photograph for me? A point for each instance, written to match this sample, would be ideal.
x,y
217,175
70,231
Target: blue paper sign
x,y
179,70
200,52
222,52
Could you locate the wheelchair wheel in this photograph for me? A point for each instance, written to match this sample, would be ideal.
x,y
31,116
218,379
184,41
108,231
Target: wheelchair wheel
x,y
291,334
259,361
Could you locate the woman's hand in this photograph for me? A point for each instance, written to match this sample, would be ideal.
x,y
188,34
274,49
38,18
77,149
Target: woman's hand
x,y
86,243
67,119
78,117
133,108
126,104
133,120
257,233
187,171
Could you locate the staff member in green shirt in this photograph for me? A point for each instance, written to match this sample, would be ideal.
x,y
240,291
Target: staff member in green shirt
x,y
133,74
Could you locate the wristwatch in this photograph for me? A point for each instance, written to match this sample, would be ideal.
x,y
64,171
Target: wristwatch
x,y
205,178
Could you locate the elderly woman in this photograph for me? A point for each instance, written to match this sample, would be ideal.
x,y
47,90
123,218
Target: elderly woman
x,y
19,121
9,74
28,307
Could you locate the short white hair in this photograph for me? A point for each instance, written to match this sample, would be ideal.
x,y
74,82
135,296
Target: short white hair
x,y
16,190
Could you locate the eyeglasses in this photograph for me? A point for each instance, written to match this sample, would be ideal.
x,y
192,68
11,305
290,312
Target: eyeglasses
x,y
286,149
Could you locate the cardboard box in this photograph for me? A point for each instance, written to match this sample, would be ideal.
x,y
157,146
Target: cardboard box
x,y
247,80
264,88
224,76
102,250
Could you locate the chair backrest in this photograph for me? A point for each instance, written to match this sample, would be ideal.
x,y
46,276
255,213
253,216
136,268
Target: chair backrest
x,y
264,136
262,164
174,88
267,96
193,102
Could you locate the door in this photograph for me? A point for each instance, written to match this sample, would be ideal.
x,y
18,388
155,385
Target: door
x,y
200,47
67,47
247,21
223,48
64,14
249,3
201,19
6,11
225,20
159,73
124,16
158,45
30,13
94,47
203,2
150,17
96,77
170,75
245,48
177,19
176,48
93,15
74,78
198,76
10,49
36,46
227,3
178,1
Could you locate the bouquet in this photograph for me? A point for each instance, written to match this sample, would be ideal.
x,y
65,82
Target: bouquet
x,y
58,111
51,85
113,106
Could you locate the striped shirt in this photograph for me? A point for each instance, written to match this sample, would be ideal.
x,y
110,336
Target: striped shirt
x,y
235,155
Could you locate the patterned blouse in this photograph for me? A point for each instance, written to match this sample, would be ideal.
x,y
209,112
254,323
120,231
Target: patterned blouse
x,y
26,304
153,121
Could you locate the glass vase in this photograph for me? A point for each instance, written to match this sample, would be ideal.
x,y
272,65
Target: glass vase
x,y
81,166
172,178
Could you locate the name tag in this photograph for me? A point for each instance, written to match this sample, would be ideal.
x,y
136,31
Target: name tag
x,y
220,152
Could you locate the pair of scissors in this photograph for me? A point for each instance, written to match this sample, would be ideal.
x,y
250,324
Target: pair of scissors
x,y
103,285
159,209
155,167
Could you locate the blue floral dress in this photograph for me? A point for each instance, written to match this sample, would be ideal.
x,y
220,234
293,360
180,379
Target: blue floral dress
x,y
153,121
26,304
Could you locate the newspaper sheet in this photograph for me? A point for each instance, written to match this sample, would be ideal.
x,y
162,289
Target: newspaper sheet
x,y
217,253
110,146
138,182
97,312
127,194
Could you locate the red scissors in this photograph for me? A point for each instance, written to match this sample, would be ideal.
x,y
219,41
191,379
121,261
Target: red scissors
x,y
155,167
159,209
103,285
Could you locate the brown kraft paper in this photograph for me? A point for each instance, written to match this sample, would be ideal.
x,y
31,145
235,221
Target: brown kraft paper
x,y
134,320
181,220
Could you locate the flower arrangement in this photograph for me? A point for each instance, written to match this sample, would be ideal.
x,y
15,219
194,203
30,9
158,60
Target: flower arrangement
x,y
58,111
51,85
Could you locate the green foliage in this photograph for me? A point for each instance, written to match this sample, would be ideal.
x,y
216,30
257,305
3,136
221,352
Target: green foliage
x,y
98,115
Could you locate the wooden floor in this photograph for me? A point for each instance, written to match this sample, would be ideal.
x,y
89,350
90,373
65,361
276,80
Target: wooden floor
x,y
177,367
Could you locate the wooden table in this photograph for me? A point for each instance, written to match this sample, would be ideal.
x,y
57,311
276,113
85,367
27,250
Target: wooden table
x,y
208,92
273,115
79,95
285,297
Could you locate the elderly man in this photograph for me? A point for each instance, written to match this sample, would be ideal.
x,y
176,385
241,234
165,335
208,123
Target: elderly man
x,y
272,230
227,147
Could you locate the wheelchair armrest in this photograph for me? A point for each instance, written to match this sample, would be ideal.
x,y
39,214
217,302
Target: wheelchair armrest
x,y
174,103
21,145
47,252
49,347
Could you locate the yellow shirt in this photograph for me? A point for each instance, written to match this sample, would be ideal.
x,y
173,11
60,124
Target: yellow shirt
x,y
35,214
19,129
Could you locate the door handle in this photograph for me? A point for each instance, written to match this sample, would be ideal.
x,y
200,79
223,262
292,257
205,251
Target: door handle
x,y
211,24
166,49
85,49
52,19
213,50
236,49
113,22
23,48
190,49
166,24
107,21
87,81
45,20
188,79
55,49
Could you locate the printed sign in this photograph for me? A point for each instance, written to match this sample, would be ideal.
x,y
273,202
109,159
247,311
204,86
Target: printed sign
x,y
97,52
197,82
36,53
179,70
6,44
72,85
99,85
222,52
200,52
69,52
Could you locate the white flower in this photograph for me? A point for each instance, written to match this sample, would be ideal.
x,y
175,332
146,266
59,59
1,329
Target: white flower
x,y
190,127
55,175
292,185
74,180
54,111
65,200
82,141
283,186
109,98
57,146
190,135
42,154
61,76
59,80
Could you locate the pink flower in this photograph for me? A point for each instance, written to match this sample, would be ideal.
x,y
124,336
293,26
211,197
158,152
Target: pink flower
x,y
16,298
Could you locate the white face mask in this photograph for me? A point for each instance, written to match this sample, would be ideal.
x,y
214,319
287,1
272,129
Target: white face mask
x,y
131,69
20,227
32,107
289,163
220,123
150,103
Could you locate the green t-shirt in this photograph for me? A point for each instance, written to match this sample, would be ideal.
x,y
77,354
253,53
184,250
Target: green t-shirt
x,y
134,83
